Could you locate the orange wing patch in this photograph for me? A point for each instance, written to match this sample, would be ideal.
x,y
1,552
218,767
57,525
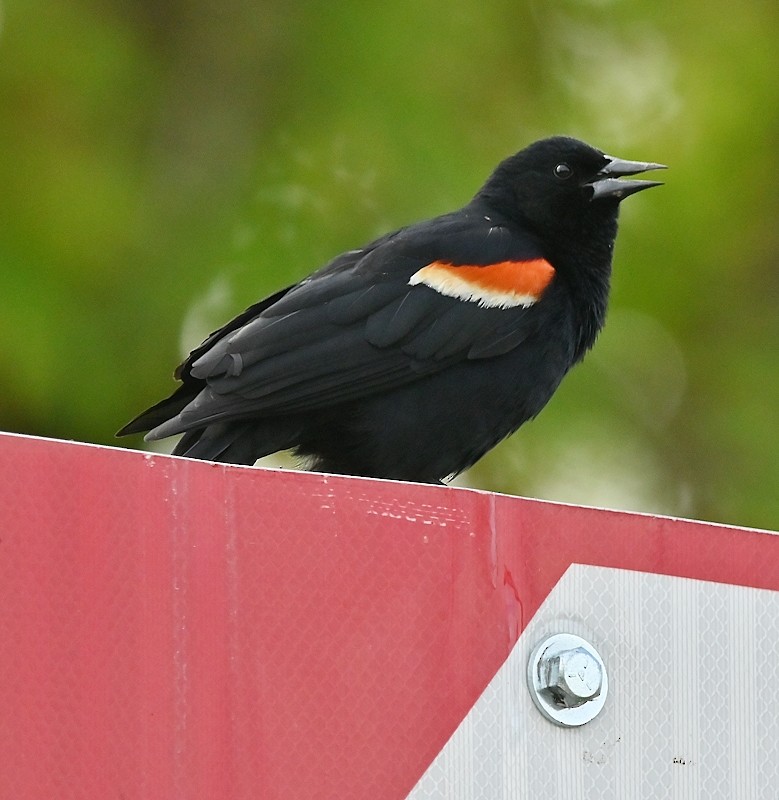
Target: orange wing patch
x,y
506,284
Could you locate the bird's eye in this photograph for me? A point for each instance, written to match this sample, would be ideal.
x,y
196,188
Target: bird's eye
x,y
563,171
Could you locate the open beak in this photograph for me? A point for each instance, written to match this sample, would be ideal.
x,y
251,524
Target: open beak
x,y
607,182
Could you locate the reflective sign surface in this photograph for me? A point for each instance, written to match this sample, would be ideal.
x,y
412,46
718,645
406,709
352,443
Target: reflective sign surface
x,y
179,629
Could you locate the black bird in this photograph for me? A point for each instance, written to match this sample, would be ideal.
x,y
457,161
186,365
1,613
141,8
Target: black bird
x,y
412,356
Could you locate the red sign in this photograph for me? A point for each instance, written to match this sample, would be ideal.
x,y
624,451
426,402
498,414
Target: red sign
x,y
178,629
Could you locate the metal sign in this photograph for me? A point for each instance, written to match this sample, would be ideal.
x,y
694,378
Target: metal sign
x,y
178,629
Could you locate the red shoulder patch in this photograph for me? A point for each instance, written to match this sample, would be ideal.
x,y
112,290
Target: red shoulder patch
x,y
505,284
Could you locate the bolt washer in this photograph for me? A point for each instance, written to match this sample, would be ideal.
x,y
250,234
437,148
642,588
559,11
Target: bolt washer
x,y
575,699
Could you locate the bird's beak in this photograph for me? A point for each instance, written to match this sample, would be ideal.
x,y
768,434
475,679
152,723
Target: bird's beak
x,y
607,182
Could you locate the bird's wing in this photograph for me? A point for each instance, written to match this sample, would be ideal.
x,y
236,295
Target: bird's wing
x,y
370,321
169,408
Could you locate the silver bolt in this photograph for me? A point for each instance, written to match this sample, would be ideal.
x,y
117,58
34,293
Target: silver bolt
x,y
572,677
567,679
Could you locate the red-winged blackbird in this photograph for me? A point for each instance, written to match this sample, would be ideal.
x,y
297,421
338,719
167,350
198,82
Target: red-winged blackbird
x,y
412,356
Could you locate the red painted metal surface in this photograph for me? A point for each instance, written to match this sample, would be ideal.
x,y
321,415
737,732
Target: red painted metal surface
x,y
178,629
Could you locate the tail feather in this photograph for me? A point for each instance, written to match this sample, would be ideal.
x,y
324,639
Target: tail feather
x,y
239,442
162,411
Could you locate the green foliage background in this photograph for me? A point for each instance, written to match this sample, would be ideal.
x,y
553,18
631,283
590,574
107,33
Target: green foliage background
x,y
164,164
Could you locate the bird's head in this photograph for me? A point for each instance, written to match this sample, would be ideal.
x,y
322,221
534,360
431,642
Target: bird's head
x,y
561,184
